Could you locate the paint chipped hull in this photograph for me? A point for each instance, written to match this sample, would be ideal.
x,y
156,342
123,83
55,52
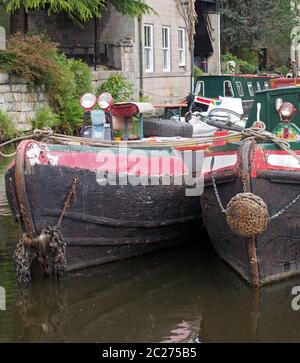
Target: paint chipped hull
x,y
105,223
274,177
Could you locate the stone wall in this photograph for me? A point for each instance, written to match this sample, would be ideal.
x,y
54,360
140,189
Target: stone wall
x,y
20,100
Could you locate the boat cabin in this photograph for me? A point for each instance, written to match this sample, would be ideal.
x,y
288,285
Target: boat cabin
x,y
239,86
279,109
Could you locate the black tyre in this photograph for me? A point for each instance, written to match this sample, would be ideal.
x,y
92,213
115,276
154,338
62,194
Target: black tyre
x,y
167,128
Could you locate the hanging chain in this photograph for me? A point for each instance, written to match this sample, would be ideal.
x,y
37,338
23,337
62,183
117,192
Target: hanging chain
x,y
285,209
70,199
217,194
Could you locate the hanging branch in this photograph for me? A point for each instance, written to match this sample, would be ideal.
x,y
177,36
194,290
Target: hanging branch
x,y
188,12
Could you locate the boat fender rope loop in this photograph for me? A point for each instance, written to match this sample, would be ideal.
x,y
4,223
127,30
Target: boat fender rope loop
x,y
49,248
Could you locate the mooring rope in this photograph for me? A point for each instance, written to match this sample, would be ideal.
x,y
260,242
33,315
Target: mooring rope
x,y
47,134
261,134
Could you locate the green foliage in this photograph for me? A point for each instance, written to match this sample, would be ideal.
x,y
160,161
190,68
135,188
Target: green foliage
x,y
82,76
132,7
242,66
7,127
45,117
197,72
71,117
39,61
283,70
247,68
144,98
120,89
245,24
79,11
30,57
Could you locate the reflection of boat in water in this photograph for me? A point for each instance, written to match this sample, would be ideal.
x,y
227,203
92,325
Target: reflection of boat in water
x,y
140,300
163,297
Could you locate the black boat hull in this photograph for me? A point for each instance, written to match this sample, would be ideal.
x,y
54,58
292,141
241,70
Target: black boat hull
x,y
105,223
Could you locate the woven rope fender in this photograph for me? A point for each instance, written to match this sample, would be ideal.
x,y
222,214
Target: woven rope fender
x,y
247,215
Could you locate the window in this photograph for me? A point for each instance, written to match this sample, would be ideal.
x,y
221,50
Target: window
x,y
166,49
181,46
200,89
148,47
228,89
266,85
240,89
258,86
250,89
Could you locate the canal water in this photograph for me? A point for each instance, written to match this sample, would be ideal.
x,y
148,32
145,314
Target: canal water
x,y
184,294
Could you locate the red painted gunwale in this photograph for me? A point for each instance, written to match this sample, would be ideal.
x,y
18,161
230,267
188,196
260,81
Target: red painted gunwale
x,y
104,160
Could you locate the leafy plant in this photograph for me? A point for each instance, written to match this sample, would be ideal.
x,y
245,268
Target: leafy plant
x,y
82,76
247,68
45,117
245,24
39,61
144,98
120,89
242,66
7,127
283,70
79,11
71,117
197,72
30,57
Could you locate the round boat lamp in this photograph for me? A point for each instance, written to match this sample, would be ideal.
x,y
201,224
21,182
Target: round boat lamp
x,y
105,101
88,101
287,112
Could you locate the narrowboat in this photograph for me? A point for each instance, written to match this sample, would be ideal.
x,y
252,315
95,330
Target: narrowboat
x,y
79,205
238,86
231,85
251,202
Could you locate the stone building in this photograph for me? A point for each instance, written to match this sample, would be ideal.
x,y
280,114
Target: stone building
x,y
156,53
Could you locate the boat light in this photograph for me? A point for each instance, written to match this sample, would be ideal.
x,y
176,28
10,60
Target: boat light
x,y
287,112
105,101
88,101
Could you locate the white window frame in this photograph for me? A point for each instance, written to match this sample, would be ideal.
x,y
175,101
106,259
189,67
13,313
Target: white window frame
x,y
267,86
200,86
240,89
230,86
258,86
181,48
251,89
166,48
148,49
